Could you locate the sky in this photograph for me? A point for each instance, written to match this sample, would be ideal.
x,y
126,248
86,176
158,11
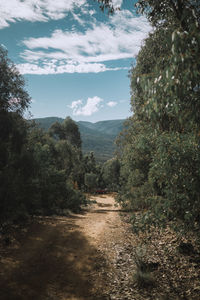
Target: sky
x,y
75,58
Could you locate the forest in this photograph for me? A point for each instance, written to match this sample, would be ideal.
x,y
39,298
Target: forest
x,y
155,172
96,137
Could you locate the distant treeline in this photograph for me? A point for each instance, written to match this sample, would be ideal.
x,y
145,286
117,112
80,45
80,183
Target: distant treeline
x,y
97,137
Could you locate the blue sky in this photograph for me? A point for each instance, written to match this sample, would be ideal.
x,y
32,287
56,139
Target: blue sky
x,y
75,59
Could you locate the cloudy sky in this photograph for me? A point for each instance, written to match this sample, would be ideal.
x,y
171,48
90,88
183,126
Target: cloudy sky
x,y
75,59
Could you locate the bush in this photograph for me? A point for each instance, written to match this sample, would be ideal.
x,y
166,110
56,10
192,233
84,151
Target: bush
x,y
175,174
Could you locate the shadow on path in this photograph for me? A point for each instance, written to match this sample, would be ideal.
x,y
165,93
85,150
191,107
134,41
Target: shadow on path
x,y
53,261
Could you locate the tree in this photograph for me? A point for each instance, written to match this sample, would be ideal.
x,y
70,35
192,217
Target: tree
x,y
164,10
13,96
111,174
36,172
182,12
90,163
68,130
91,181
52,182
160,156
14,100
72,132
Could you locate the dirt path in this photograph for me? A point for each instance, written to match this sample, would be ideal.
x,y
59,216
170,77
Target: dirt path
x,y
63,258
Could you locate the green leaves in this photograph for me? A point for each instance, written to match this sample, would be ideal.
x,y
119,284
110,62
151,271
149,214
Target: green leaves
x,y
13,96
111,173
161,157
68,130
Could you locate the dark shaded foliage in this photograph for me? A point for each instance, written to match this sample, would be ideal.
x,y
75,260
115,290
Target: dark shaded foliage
x,y
37,173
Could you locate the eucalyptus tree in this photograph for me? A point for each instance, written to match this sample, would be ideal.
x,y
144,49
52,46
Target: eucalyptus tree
x,y
14,100
161,159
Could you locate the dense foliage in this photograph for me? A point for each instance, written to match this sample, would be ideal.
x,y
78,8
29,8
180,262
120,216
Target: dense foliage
x,y
40,172
111,174
160,154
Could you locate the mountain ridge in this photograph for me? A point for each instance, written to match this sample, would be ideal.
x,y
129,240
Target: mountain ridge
x,y
98,137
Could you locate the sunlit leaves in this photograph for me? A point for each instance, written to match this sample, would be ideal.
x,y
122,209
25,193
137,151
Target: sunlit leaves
x,y
161,157
13,96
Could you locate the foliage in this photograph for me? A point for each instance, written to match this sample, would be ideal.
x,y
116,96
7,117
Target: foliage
x,y
160,149
68,130
14,100
38,174
174,173
106,5
91,181
136,146
14,165
97,137
13,97
169,11
111,173
52,184
93,176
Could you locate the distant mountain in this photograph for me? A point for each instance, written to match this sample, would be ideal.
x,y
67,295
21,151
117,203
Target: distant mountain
x,y
98,137
45,123
111,127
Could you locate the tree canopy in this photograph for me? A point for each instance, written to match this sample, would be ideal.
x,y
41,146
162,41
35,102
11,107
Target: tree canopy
x,y
160,151
13,96
68,130
37,172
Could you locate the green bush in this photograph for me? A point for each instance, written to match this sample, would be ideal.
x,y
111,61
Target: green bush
x,y
160,157
175,171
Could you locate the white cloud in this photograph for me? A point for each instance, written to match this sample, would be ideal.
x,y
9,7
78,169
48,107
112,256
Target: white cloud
x,y
76,104
120,39
92,12
52,67
92,106
3,46
82,52
35,10
111,103
117,3
12,11
72,50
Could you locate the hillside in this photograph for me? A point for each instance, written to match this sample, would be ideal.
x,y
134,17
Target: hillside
x,y
98,137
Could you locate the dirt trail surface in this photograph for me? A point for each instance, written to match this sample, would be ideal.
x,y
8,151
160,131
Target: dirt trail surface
x,y
65,258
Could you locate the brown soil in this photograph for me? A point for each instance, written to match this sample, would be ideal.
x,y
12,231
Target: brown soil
x,y
92,256
65,258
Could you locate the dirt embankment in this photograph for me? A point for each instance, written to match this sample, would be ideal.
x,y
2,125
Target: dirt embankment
x,y
63,258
